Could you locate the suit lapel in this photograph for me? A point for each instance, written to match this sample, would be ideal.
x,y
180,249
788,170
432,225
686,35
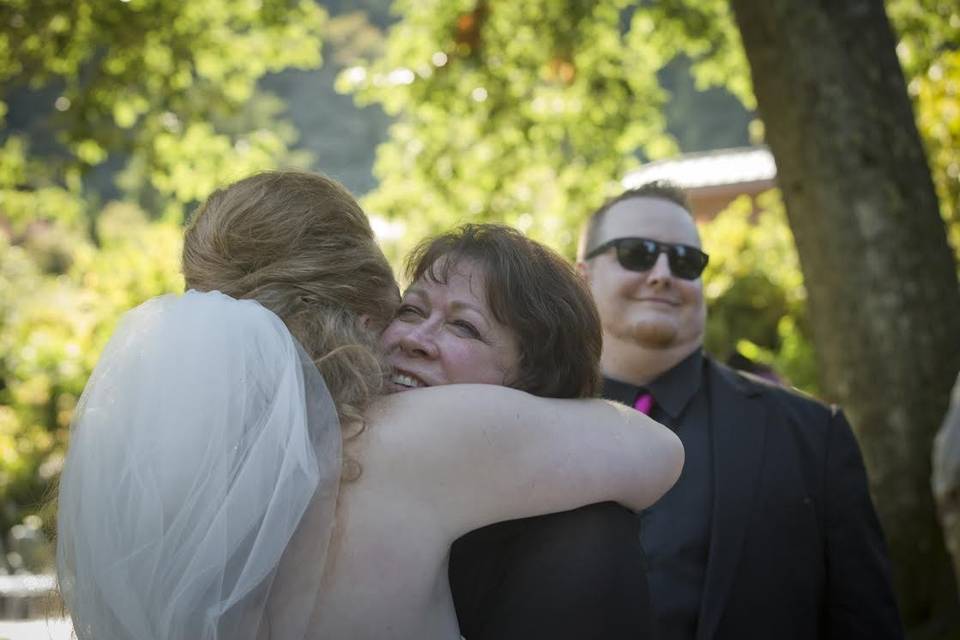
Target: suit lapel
x,y
738,420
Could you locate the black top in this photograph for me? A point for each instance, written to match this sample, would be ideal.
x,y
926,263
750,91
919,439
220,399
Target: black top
x,y
676,530
572,575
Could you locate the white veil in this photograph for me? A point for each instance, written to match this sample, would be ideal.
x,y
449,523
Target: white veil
x,y
202,437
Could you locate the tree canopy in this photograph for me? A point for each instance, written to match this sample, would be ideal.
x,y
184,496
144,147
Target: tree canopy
x,y
530,114
165,95
165,90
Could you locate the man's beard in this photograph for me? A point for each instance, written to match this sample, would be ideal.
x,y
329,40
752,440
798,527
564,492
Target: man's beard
x,y
655,335
651,334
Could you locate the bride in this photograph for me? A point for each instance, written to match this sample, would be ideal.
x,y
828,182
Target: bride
x,y
235,471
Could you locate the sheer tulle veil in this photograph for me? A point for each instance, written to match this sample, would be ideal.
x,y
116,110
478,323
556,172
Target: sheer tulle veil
x,y
201,478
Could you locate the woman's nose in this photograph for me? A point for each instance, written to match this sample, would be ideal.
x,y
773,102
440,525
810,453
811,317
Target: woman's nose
x,y
420,340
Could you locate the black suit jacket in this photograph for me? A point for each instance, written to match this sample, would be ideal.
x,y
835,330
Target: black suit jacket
x,y
796,549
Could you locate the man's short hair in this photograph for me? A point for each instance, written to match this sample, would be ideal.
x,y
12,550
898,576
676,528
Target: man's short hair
x,y
656,189
536,294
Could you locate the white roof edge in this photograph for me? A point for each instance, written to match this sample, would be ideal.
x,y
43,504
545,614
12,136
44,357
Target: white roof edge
x,y
708,168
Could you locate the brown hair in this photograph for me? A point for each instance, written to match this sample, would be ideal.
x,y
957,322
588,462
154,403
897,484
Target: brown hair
x,y
534,292
656,189
299,244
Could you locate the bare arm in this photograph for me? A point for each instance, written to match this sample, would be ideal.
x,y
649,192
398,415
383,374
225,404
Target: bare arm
x,y
477,454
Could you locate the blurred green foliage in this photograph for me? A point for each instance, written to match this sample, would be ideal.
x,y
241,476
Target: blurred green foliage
x,y
60,296
162,92
529,113
929,51
505,111
166,88
754,291
523,112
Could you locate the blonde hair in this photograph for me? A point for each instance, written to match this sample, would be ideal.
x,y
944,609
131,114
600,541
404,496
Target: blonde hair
x,y
299,244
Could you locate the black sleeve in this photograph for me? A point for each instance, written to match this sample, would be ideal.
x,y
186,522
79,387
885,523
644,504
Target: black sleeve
x,y
860,601
577,574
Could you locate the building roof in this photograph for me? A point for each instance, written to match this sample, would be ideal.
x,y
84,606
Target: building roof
x,y
708,169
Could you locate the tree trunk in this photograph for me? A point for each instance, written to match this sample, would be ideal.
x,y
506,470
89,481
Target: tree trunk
x,y
946,476
883,294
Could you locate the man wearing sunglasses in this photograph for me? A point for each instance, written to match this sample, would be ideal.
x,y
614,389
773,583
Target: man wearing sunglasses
x,y
770,531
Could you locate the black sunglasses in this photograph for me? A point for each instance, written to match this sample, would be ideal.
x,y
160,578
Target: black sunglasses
x,y
640,254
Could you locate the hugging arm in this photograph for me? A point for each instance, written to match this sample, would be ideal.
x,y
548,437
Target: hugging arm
x,y
481,453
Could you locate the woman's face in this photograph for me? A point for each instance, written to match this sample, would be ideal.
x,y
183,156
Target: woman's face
x,y
445,333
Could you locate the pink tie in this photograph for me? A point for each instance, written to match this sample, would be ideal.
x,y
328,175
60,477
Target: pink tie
x,y
644,403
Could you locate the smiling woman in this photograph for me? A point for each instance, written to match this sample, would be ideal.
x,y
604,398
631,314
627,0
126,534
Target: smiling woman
x,y
446,333
488,305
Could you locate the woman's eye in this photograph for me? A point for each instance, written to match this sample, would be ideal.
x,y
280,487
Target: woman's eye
x,y
466,328
409,311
